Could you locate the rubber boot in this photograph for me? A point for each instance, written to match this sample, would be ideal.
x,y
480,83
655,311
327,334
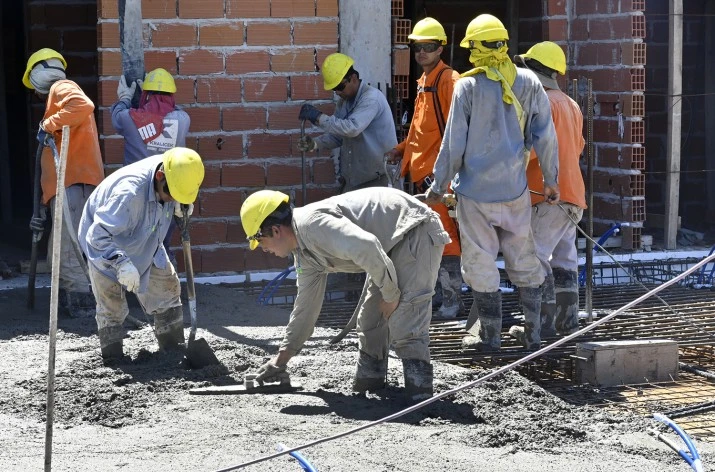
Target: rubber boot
x,y
566,291
418,379
169,328
370,373
450,278
484,323
548,308
111,342
529,335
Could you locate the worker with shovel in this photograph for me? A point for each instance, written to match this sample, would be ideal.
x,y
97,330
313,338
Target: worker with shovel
x,y
418,151
384,232
121,233
66,104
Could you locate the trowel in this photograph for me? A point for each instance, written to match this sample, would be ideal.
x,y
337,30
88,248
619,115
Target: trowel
x,y
279,384
198,352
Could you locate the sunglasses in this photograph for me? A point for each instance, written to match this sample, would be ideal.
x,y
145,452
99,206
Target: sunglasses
x,y
341,86
426,47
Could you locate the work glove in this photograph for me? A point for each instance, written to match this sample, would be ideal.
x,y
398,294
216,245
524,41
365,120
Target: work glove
x,y
124,91
178,212
393,156
43,136
140,84
37,223
269,372
310,113
128,275
306,144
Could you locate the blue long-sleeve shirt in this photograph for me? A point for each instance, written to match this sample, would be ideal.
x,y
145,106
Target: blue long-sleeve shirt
x,y
484,148
124,219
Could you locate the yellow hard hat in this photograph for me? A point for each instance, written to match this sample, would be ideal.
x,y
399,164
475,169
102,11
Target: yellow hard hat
x,y
548,54
41,55
257,207
159,80
484,28
426,29
184,173
335,66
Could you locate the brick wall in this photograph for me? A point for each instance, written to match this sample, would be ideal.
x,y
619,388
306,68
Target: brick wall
x,y
242,68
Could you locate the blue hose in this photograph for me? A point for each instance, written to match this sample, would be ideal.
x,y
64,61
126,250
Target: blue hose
x,y
307,466
268,291
693,459
604,237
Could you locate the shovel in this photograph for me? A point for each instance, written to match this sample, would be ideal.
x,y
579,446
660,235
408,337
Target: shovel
x,y
198,352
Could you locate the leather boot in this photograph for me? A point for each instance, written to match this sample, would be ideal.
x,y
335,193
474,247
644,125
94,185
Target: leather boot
x,y
169,328
548,308
111,340
370,373
529,335
418,379
450,278
566,291
484,323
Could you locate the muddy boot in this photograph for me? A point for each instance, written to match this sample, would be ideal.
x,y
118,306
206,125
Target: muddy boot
x,y
566,291
548,308
169,328
484,323
418,379
111,339
529,335
370,373
450,278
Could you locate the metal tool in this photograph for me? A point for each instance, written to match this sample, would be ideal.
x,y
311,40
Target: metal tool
x,y
36,235
280,384
302,165
198,352
393,174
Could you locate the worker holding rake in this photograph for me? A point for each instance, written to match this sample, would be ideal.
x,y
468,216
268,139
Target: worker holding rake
x,y
388,234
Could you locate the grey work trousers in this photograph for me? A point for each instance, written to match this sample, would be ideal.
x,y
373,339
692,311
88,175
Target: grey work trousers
x,y
555,235
416,259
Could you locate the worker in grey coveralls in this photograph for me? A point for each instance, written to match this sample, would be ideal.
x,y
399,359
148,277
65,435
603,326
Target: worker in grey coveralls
x,y
384,232
362,126
497,114
121,233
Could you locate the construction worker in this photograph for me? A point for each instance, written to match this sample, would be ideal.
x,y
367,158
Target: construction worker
x,y
419,150
384,232
66,104
362,126
497,114
554,228
121,233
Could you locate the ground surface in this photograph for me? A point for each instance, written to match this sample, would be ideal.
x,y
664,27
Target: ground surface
x,y
139,415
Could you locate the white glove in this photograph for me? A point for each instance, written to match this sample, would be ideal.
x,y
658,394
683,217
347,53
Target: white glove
x,y
124,91
128,275
178,211
140,84
269,372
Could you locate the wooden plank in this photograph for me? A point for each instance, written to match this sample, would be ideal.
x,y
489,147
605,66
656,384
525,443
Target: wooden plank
x,y
675,106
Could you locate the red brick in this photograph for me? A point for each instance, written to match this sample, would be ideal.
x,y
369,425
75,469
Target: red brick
x,y
109,9
110,63
323,53
163,59
292,8
221,35
107,35
247,61
596,6
260,260
107,93
179,254
156,9
556,7
244,118
579,29
326,8
185,91
192,142
324,171
45,38
285,174
208,232
324,32
220,202
221,147
113,150
316,194
200,61
268,145
265,89
308,87
218,90
204,118
104,122
297,60
283,117
223,259
173,35
212,176
592,53
236,234
201,9
616,27
268,34
556,30
243,175
248,8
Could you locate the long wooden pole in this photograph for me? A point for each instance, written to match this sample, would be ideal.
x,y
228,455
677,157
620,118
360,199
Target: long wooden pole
x,y
675,106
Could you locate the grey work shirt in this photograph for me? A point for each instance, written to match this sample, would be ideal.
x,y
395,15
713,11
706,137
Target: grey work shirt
x,y
124,219
483,146
364,130
352,232
176,127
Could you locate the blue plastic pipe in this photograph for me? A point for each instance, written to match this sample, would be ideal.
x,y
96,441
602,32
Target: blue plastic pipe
x,y
307,466
268,291
693,459
604,237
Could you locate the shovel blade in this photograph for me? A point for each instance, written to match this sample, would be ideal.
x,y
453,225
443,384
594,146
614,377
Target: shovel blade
x,y
199,354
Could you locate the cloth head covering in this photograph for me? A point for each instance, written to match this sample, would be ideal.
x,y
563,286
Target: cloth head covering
x,y
153,107
45,73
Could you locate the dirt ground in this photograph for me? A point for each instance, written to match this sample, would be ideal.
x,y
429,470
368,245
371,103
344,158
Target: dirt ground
x,y
139,415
